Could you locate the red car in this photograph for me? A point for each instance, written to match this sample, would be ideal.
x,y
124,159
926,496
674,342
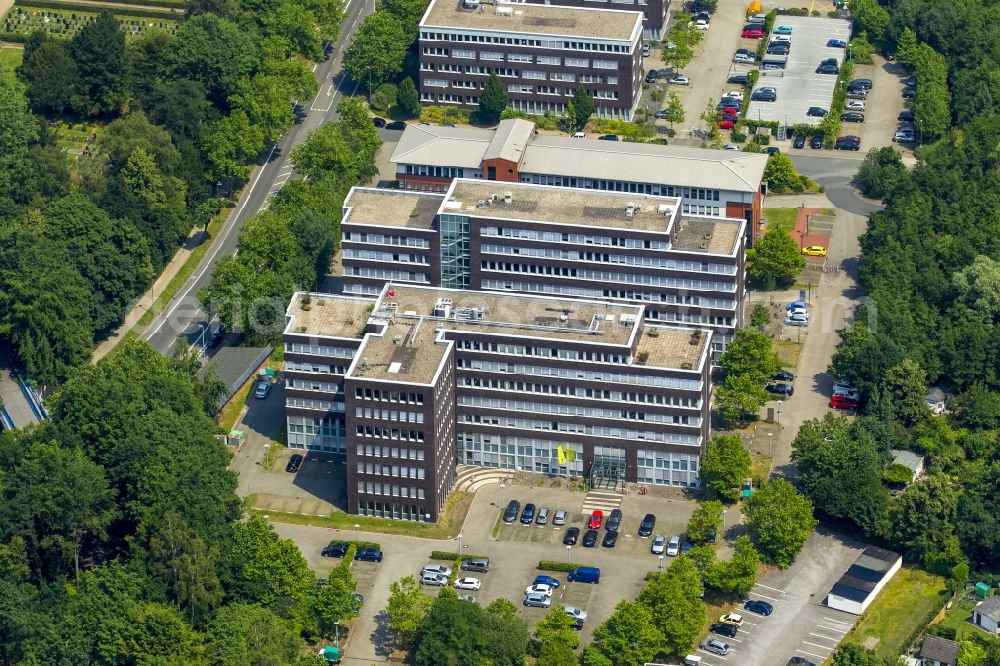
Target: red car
x,y
753,33
726,123
843,402
596,519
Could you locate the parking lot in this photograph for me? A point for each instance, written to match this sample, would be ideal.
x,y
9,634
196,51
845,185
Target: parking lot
x,y
798,86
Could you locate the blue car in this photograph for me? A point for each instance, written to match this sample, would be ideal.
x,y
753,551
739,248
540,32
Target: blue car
x,y
837,44
368,555
758,607
783,30
546,580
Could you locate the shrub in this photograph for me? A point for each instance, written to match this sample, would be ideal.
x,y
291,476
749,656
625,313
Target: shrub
x,y
384,97
738,137
359,545
454,557
550,565
762,139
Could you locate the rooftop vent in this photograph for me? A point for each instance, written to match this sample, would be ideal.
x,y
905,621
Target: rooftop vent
x,y
442,308
396,340
508,196
470,4
394,368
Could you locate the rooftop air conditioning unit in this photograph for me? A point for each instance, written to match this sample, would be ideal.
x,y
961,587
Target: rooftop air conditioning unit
x,y
629,212
508,196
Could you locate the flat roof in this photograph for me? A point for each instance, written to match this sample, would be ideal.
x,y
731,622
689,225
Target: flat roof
x,y
561,205
434,145
674,348
534,19
408,351
327,316
391,208
707,234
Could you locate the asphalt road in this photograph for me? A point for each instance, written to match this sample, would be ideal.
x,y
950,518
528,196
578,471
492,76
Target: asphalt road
x,y
836,172
182,316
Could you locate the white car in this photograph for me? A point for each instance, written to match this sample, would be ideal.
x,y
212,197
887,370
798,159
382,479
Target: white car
x,y
846,393
743,58
576,613
777,39
796,320
854,105
659,545
731,146
674,546
735,94
680,81
904,136
539,589
797,311
843,384
701,24
468,584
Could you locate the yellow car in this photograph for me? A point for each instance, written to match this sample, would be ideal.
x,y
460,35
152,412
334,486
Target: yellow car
x,y
814,251
732,617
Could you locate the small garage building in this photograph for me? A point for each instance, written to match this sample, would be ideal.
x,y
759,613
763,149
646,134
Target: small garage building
x,y
859,586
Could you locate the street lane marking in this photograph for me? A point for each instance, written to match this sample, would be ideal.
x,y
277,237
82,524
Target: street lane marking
x,y
764,596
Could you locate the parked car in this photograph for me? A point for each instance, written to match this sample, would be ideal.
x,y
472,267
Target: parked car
x,y
572,534
744,59
537,600
828,69
783,30
608,137
785,39
610,539
816,112
510,513
739,79
334,550
543,516
910,82
732,146
614,520
480,564
294,462
855,105
759,607
732,617
781,389
396,125
467,597
680,81
904,136
436,569
659,545
651,76
539,589
646,50
560,517
701,24
368,555
716,646
799,141
836,43
528,515
752,32
674,546
845,393
724,629
814,251
647,525
661,114
596,518
784,376
576,613
849,142
772,150
906,117
726,123
263,388
852,117
843,402
800,661
779,49
547,580
762,96
843,384
590,538
734,94
468,584
857,93
378,122
796,320
433,579
864,83
817,141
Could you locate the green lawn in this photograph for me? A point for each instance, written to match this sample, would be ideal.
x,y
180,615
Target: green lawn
x,y
9,59
907,601
781,218
958,619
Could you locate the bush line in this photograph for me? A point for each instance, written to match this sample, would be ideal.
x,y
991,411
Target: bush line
x,y
359,545
161,13
448,556
550,565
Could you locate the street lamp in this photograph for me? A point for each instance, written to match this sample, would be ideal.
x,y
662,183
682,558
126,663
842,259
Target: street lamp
x,y
779,412
569,550
357,532
724,511
336,627
502,486
459,543
661,563
769,454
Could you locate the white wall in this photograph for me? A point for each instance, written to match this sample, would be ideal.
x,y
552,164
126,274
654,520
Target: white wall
x,y
882,583
842,604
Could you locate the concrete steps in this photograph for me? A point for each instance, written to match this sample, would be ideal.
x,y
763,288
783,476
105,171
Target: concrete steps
x,y
597,500
470,478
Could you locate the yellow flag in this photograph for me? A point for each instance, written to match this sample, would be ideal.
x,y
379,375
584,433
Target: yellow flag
x,y
571,454
561,455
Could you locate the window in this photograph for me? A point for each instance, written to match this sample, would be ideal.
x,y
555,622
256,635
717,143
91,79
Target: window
x,y
436,83
559,76
491,55
548,60
519,57
579,62
463,53
605,64
535,75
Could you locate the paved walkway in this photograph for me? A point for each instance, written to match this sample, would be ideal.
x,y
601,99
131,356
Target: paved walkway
x,y
144,302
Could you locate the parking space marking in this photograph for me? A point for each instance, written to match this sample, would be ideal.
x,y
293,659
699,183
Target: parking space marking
x,y
825,638
830,619
714,655
767,587
822,647
843,631
813,654
764,596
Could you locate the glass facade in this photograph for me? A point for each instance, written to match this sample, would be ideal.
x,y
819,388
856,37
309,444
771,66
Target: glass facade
x,y
317,434
521,453
455,251
667,469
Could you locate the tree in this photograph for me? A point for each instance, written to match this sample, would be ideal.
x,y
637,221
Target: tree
x,y
674,109
629,636
921,520
780,174
583,107
749,354
856,342
779,520
294,25
186,566
674,604
18,130
384,97
407,97
232,144
971,654
931,107
978,285
346,147
738,575
51,77
705,522
335,601
556,639
724,467
760,316
679,51
906,385
740,396
249,634
267,102
459,632
494,100
906,48
376,53
407,608
213,51
880,171
99,53
872,17
775,258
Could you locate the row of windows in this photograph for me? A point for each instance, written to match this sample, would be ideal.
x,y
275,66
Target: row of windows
x,y
389,415
390,433
580,392
541,352
583,429
578,410
395,490
625,186
362,289
627,295
690,318
313,385
606,258
520,41
402,472
308,425
389,396
585,375
306,403
320,350
385,274
375,255
608,276
579,239
664,460
382,239
390,452
439,172
318,368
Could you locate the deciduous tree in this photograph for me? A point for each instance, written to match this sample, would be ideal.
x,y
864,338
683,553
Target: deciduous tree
x,y
780,174
583,107
740,397
881,169
775,259
376,53
706,522
779,520
407,608
749,354
725,466
629,636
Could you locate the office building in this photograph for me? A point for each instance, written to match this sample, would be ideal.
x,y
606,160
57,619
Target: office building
x,y
654,12
435,377
541,53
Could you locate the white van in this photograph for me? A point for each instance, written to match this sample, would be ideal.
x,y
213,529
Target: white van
x,y
692,660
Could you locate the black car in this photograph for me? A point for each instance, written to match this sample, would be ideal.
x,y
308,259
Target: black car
x,y
614,520
778,49
800,141
610,539
647,525
724,629
368,555
830,61
722,106
909,93
852,117
910,82
828,69
759,607
396,125
739,79
848,143
609,137
572,534
378,122
772,150
294,463
510,513
905,117
780,389
866,83
334,550
816,111
528,515
800,661
701,16
764,97
651,76
577,624
817,141
784,376
590,538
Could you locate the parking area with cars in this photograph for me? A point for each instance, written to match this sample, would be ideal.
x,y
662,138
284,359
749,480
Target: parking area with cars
x,y
797,85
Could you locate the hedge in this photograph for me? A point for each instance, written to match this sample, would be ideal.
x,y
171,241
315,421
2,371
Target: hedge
x,y
359,545
454,557
159,12
549,565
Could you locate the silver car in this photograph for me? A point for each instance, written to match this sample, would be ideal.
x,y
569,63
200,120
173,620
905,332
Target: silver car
x,y
560,517
537,600
543,516
716,646
674,547
659,545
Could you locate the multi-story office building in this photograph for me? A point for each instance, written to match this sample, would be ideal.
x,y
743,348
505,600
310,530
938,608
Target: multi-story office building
x,y
541,53
438,376
654,12
720,183
688,270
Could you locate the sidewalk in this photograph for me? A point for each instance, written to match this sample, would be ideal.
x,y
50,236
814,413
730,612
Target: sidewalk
x,y
146,301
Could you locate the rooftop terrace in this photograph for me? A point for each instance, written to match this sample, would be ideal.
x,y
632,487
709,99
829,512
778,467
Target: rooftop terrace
x,y
662,347
327,315
391,208
534,19
709,235
562,205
